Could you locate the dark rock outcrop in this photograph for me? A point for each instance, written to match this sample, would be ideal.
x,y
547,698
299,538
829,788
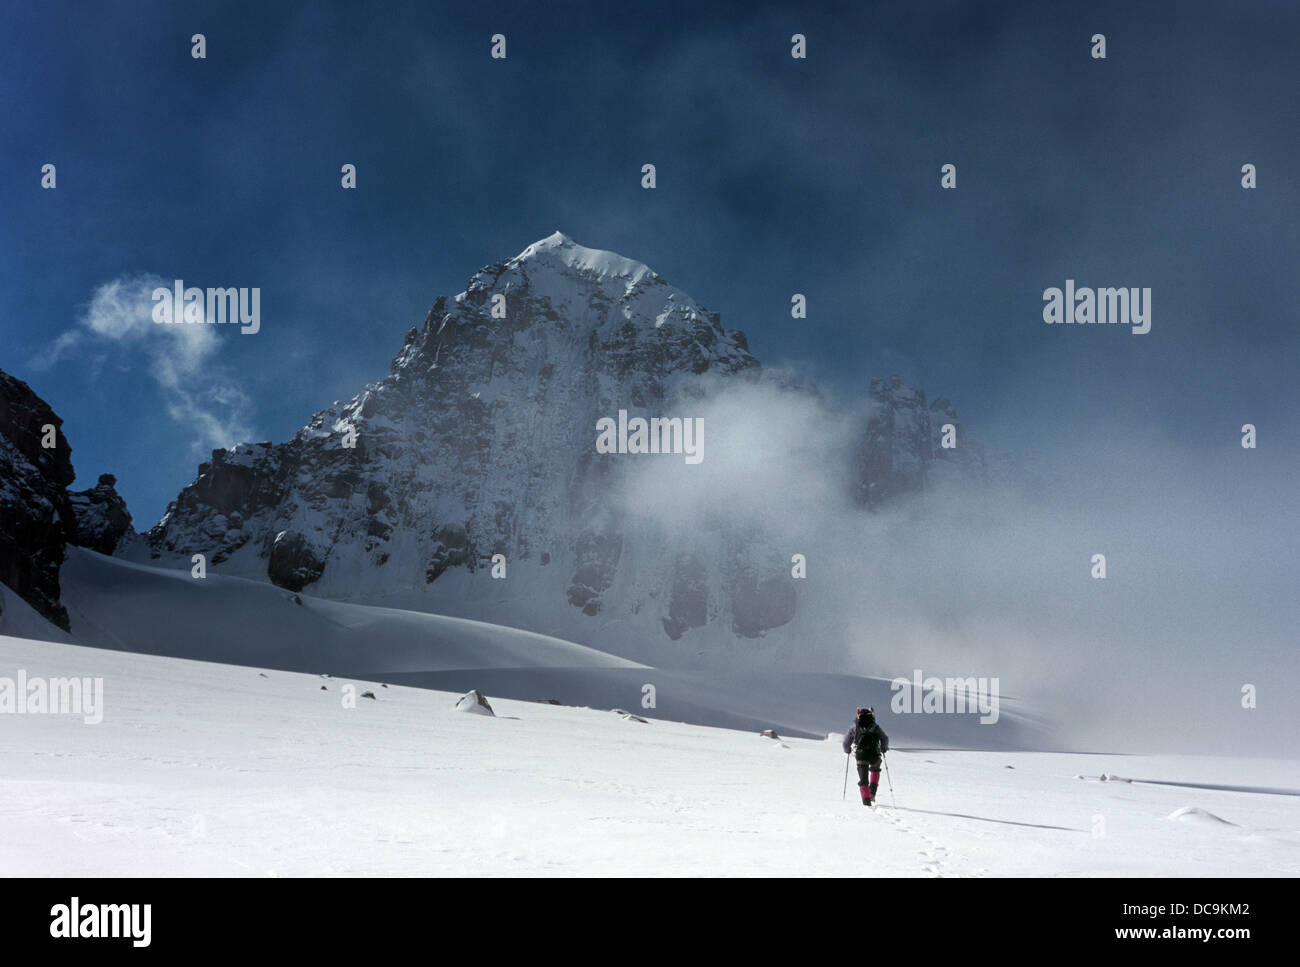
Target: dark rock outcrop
x,y
901,450
101,515
36,516
294,563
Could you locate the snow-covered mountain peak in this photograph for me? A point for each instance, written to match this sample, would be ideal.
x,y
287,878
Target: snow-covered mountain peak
x,y
478,446
559,251
557,290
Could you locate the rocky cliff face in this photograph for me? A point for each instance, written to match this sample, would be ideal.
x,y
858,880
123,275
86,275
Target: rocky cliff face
x,y
102,519
36,518
479,442
902,445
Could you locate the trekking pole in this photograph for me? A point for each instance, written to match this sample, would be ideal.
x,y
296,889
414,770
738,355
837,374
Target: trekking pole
x,y
892,801
847,755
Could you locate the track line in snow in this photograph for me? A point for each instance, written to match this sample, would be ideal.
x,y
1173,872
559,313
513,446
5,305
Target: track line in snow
x,y
986,819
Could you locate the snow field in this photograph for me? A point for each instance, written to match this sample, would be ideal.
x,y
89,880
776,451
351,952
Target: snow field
x,y
218,770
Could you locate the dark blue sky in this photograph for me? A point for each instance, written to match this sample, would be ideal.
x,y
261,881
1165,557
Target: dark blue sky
x,y
775,176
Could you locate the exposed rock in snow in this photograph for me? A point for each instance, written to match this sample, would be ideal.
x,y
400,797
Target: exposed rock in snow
x,y
474,702
103,521
294,562
36,518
